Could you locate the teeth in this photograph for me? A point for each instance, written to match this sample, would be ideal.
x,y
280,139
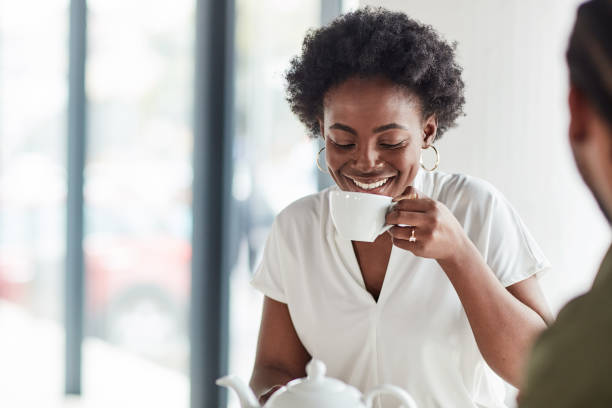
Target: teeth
x,y
370,186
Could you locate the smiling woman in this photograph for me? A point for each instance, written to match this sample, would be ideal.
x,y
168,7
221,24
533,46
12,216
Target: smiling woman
x,y
428,307
374,135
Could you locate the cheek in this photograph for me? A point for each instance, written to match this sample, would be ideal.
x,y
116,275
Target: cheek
x,y
335,159
406,160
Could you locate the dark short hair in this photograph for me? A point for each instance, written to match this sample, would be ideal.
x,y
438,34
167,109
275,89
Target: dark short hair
x,y
589,55
371,42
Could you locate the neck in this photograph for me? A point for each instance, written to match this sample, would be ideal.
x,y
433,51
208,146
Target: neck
x,y
382,241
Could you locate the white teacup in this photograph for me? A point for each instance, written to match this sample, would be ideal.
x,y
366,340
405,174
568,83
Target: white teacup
x,y
359,216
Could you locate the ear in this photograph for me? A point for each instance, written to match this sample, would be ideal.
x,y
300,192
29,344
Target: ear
x,y
430,130
321,128
578,116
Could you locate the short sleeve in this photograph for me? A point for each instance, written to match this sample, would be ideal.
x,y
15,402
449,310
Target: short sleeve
x,y
504,240
268,277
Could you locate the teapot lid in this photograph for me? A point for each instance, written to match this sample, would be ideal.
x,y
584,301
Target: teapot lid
x,y
316,390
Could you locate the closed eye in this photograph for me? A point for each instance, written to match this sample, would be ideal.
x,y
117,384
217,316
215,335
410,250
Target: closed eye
x,y
342,146
392,146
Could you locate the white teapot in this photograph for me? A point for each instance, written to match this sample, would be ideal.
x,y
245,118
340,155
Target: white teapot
x,y
315,390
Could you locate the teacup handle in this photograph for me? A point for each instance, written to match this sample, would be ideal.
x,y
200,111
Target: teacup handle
x,y
388,227
403,396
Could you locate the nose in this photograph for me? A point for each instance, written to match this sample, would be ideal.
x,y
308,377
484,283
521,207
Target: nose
x,y
366,158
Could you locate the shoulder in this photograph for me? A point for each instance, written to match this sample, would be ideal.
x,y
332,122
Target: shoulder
x,y
461,192
306,212
572,324
585,315
442,185
572,358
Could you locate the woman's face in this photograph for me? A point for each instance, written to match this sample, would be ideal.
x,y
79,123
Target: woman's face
x,y
374,133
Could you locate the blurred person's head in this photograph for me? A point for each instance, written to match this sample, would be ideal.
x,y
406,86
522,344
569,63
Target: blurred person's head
x,y
378,87
589,57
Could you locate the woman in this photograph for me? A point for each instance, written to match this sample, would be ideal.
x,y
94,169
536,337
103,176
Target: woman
x,y
426,315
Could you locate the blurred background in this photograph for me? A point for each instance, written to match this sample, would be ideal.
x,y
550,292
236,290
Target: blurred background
x,y
138,174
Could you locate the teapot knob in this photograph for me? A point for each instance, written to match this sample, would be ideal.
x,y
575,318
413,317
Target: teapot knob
x,y
315,370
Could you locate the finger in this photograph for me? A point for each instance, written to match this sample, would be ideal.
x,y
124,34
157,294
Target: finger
x,y
410,193
401,233
417,205
405,233
414,247
416,219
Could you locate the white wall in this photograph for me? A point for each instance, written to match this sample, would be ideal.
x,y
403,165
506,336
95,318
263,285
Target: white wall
x,y
514,134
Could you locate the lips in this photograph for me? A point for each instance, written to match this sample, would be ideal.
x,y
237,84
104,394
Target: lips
x,y
370,186
373,185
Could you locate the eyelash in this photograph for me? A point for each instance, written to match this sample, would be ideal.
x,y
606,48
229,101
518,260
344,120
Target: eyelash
x,y
392,146
384,145
346,146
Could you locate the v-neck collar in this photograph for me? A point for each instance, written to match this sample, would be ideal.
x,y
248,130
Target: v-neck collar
x,y
349,259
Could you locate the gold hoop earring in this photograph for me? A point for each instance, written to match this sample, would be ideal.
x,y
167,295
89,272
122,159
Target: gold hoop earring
x,y
318,164
437,159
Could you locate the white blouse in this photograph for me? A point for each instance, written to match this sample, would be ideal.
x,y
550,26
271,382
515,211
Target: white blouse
x,y
416,335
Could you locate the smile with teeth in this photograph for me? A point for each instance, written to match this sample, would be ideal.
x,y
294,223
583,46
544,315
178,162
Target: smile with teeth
x,y
371,185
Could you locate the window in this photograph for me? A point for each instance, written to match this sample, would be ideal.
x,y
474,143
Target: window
x,y
137,192
274,157
33,95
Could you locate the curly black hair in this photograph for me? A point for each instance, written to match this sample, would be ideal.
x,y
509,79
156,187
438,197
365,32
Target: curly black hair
x,y
372,42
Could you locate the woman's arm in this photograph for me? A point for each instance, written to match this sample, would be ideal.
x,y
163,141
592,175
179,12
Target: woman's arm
x,y
281,357
505,322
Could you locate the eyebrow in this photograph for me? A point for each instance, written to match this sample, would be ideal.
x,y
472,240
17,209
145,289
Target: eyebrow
x,y
345,128
387,127
378,129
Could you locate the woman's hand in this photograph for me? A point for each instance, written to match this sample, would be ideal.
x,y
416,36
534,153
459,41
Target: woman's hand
x,y
437,233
